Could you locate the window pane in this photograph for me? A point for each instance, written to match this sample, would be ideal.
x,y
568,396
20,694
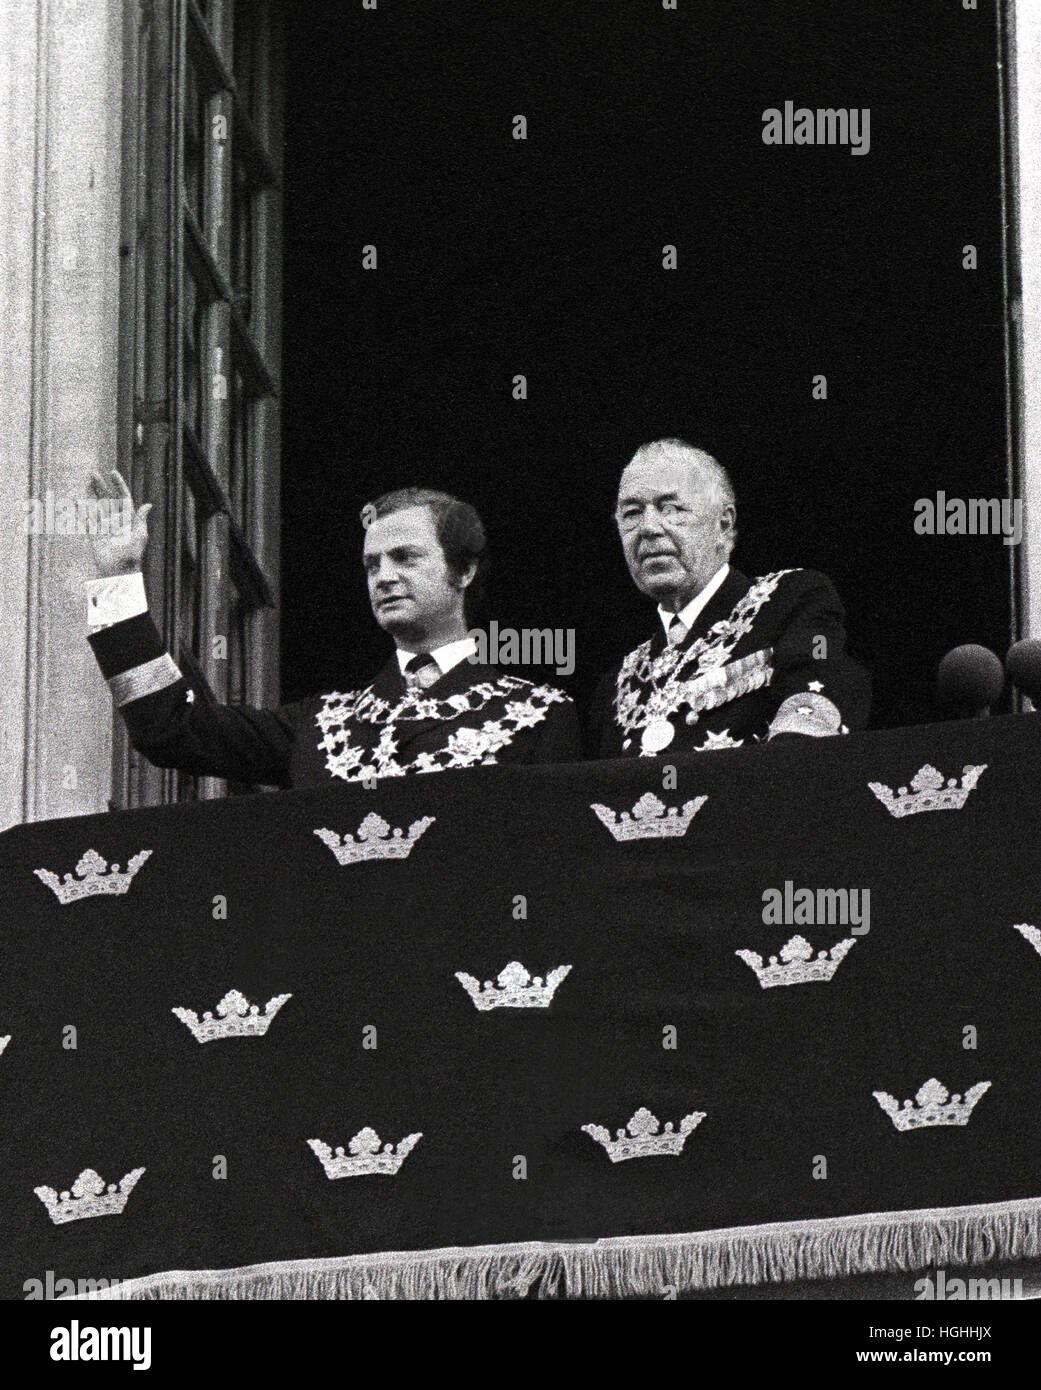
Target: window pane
x,y
194,131
194,342
238,650
142,316
143,232
242,241
244,37
241,441
223,198
192,554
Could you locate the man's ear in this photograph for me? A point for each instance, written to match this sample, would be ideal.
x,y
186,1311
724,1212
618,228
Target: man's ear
x,y
727,522
465,578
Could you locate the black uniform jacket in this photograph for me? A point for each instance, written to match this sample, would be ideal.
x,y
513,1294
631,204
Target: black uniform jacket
x,y
756,644
473,715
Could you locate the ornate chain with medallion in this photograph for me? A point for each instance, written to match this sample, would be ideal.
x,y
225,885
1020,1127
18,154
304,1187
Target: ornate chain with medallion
x,y
464,746
672,674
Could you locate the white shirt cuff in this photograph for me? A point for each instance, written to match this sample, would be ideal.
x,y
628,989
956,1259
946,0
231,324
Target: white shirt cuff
x,y
115,599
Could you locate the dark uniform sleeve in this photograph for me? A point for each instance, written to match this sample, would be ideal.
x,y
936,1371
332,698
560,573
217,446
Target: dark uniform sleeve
x,y
600,730
810,652
560,735
171,724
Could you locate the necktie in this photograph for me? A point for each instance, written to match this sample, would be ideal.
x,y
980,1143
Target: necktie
x,y
421,670
677,631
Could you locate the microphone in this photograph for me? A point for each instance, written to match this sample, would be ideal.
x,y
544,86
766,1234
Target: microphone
x,y
969,680
1023,668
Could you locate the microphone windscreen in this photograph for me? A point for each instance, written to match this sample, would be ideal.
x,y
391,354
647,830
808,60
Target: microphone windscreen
x,y
1023,667
970,678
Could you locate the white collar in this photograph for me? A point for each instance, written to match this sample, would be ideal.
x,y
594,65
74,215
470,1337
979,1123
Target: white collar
x,y
446,657
689,614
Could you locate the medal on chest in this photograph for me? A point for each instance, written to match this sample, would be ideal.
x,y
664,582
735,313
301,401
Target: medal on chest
x,y
658,734
693,675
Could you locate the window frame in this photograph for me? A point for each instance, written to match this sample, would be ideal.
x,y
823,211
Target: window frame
x,y
161,451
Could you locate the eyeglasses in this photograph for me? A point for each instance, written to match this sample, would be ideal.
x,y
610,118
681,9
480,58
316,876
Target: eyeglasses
x,y
675,513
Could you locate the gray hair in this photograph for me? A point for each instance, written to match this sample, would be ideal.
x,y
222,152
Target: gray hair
x,y
718,487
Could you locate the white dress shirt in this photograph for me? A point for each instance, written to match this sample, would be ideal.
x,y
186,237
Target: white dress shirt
x,y
446,657
115,599
689,615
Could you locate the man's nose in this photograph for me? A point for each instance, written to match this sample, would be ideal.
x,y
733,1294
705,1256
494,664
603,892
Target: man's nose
x,y
385,571
650,523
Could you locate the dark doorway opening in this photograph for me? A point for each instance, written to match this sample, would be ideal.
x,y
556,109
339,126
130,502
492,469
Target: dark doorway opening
x,y
543,258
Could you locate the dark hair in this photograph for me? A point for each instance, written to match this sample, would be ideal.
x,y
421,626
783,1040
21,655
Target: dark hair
x,y
459,530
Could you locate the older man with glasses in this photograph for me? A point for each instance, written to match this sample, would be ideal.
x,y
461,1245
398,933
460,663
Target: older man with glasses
x,y
732,660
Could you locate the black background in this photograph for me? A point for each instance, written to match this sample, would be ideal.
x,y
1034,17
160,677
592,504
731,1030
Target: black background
x,y
543,257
